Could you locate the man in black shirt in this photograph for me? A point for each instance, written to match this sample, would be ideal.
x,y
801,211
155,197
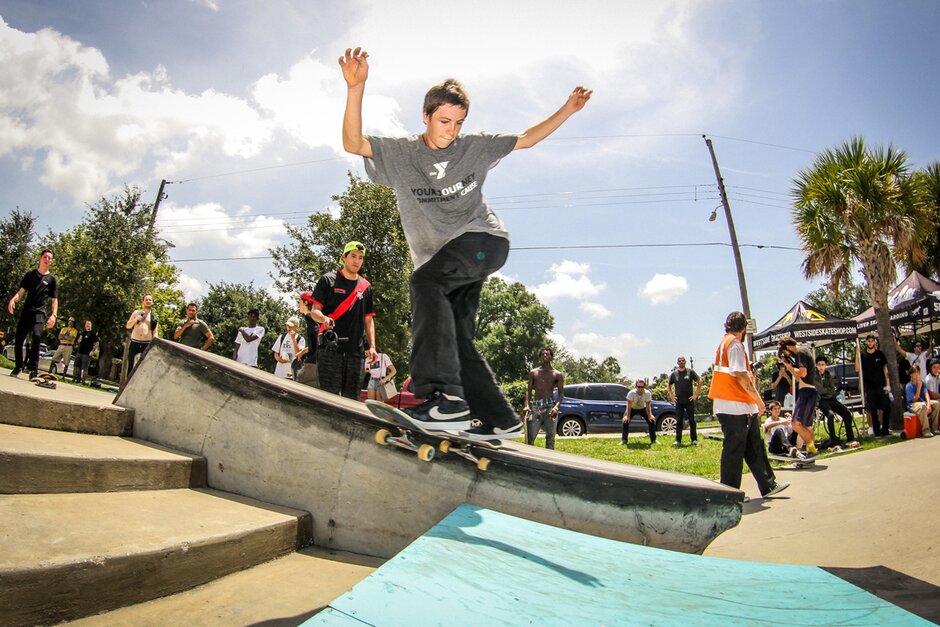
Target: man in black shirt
x,y
873,365
343,308
800,364
37,286
680,391
87,343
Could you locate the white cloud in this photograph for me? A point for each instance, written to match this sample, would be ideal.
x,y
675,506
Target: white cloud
x,y
192,288
569,280
664,288
210,227
595,310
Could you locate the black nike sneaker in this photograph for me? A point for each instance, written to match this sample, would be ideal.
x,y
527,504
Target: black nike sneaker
x,y
441,412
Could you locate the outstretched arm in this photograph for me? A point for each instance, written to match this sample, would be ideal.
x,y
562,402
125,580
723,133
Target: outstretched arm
x,y
543,129
355,66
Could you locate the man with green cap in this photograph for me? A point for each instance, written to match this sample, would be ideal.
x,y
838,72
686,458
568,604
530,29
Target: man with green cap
x,y
342,305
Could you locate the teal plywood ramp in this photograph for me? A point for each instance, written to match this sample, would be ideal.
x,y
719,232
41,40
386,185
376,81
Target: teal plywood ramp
x,y
480,567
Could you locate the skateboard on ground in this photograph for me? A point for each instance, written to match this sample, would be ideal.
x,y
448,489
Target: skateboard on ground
x,y
45,380
425,444
798,462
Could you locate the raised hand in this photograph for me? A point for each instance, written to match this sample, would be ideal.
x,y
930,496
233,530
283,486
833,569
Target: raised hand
x,y
355,66
579,98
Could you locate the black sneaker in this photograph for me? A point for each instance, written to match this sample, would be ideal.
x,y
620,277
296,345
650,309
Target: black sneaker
x,y
486,432
441,412
777,489
15,372
33,374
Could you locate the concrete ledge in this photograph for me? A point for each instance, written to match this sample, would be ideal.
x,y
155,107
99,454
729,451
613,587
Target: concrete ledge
x,y
113,550
286,443
42,408
40,461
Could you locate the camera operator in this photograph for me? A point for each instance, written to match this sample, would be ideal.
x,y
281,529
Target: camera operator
x,y
342,305
801,365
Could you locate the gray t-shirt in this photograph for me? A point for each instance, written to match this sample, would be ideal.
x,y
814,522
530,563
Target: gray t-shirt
x,y
439,192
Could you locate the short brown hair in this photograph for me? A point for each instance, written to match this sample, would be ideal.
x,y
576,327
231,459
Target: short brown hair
x,y
736,321
448,92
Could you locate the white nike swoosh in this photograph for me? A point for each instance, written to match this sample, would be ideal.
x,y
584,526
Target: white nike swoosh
x,y
436,414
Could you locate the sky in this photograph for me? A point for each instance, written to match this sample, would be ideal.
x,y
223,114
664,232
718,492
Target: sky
x,y
238,105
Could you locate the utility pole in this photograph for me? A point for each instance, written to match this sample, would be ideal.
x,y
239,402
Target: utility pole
x,y
742,284
156,204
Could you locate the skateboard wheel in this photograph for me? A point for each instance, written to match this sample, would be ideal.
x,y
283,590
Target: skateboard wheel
x,y
425,452
381,436
444,446
483,464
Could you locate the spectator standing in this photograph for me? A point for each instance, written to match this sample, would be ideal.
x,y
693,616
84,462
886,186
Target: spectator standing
x,y
920,404
192,331
918,358
639,403
67,337
308,354
381,372
142,324
548,387
247,341
37,286
873,365
456,241
737,404
343,307
286,348
680,392
829,403
86,345
781,384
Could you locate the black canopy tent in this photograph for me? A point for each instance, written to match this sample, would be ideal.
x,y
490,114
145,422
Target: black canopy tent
x,y
808,325
913,303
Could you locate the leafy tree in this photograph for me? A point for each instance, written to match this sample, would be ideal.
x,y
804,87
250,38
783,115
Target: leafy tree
x,y
588,369
856,205
848,302
225,309
511,327
928,187
104,266
16,242
368,213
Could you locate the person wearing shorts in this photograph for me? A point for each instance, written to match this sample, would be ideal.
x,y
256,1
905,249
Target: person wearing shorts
x,y
799,362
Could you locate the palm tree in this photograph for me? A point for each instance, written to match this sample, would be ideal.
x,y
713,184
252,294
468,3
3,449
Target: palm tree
x,y
860,205
928,186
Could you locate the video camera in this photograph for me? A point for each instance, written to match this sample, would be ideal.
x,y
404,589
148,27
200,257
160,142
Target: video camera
x,y
330,341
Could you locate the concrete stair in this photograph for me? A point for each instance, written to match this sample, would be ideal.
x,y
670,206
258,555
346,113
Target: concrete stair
x,y
91,522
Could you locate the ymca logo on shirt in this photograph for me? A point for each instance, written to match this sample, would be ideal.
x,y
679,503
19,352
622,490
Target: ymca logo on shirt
x,y
439,170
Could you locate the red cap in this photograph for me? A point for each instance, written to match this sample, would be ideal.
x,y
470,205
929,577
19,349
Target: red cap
x,y
308,297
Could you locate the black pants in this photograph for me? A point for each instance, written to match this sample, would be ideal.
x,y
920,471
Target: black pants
x,y
829,405
445,298
30,327
685,411
651,425
780,444
743,443
340,373
876,399
136,348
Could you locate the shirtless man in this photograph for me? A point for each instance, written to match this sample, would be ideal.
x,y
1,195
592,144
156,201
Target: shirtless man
x,y
142,324
543,380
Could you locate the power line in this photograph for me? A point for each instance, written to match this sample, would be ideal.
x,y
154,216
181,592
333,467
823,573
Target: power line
x,y
560,247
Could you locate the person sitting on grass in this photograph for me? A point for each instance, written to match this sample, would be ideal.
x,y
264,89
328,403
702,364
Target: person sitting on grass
x,y
779,433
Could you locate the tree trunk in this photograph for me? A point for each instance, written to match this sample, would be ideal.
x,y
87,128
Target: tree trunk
x,y
886,339
104,361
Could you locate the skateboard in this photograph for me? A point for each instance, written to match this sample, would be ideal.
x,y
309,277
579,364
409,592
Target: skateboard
x,y
45,380
798,462
404,434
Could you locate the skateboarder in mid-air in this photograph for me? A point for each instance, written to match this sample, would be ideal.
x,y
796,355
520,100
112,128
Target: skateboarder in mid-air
x,y
456,241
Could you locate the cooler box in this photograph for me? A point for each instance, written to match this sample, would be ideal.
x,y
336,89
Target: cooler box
x,y
912,426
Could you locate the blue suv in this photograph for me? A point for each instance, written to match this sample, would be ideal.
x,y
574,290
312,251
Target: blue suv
x,y
591,407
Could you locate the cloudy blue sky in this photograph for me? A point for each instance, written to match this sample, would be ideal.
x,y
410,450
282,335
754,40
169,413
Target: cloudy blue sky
x,y
239,103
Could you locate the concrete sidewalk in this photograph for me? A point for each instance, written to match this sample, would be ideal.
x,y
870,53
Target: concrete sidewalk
x,y
870,508
65,390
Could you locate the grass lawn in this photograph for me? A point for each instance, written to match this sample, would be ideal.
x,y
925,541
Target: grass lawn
x,y
702,460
